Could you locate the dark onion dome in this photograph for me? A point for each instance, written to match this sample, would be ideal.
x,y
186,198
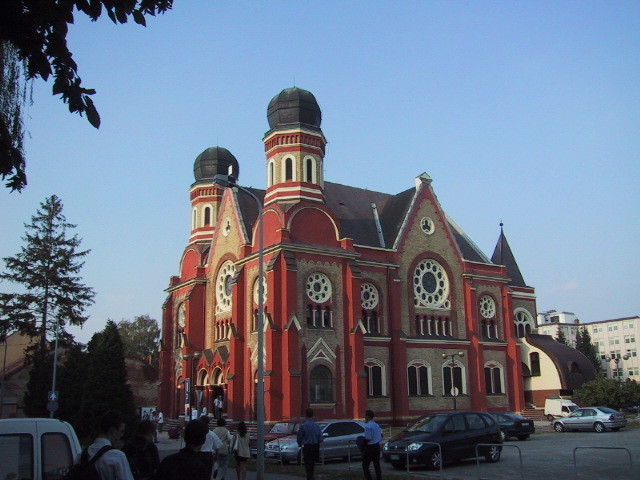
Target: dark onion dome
x,y
214,161
294,106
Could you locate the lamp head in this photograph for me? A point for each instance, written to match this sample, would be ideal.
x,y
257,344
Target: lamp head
x,y
461,353
444,355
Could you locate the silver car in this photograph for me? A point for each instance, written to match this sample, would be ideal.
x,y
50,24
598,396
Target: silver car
x,y
597,419
339,441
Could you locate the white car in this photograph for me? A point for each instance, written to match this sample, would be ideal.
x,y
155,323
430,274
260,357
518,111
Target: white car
x,y
37,448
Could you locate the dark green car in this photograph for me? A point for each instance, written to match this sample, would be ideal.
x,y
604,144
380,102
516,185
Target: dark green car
x,y
514,425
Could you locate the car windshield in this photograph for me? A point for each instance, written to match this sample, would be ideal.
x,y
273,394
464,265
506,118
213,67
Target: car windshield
x,y
285,428
430,423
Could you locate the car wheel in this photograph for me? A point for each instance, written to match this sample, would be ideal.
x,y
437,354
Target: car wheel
x,y
523,437
598,427
503,436
550,417
434,460
493,454
558,427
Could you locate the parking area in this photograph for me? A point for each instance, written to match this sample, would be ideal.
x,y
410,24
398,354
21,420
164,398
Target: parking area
x,y
547,456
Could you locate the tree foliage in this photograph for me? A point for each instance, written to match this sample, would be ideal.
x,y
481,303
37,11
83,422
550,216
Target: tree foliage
x,y
561,337
37,31
584,345
607,392
105,384
47,269
35,397
72,374
140,338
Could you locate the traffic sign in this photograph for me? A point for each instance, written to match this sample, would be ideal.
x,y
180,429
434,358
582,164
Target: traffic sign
x,y
52,396
52,405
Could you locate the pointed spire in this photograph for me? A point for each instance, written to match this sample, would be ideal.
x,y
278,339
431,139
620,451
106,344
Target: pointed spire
x,y
502,255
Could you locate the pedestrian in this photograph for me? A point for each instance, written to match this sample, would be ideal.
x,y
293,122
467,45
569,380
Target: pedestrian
x,y
217,407
112,463
309,439
242,451
210,448
160,421
185,465
194,413
222,462
204,411
372,437
142,453
154,422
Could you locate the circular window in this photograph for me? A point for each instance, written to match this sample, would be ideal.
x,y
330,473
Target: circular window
x,y
487,307
256,300
427,225
223,287
368,296
318,287
430,284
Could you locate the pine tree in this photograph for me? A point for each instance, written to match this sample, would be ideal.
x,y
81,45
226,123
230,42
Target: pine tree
x,y
47,270
72,375
35,397
561,337
105,386
584,345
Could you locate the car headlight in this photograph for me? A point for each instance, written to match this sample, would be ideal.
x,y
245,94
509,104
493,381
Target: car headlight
x,y
284,445
385,447
412,447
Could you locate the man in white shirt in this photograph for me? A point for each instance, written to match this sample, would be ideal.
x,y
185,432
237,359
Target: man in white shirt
x,y
113,464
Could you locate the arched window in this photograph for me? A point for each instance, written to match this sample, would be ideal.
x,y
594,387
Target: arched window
x,y
207,216
288,169
534,360
271,174
320,385
309,165
523,322
375,378
419,376
217,377
493,378
453,375
194,217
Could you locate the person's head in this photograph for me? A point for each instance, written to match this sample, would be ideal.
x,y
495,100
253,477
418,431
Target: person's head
x,y
204,419
112,427
368,415
242,429
146,429
309,412
221,422
195,433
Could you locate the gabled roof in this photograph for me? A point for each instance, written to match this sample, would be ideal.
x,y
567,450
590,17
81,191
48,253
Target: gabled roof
x,y
354,209
502,255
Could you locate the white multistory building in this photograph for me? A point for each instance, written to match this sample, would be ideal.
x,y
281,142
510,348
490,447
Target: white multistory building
x,y
616,343
553,321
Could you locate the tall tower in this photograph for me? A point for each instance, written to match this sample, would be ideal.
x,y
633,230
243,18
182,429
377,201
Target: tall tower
x,y
205,197
295,147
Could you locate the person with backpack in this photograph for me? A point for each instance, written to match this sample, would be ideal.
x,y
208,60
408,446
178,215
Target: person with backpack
x,y
142,453
222,462
102,460
186,465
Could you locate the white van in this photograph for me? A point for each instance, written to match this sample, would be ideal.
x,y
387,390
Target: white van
x,y
36,448
558,407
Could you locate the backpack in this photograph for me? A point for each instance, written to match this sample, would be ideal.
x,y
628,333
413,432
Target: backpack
x,y
86,469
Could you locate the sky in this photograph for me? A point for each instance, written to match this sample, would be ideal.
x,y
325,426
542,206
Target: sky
x,y
526,113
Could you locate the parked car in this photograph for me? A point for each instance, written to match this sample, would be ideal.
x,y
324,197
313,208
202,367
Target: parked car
x,y
279,430
339,441
558,407
38,448
597,419
514,425
457,434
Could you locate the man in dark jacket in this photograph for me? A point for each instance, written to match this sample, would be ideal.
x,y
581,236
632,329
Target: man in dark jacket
x,y
185,465
141,453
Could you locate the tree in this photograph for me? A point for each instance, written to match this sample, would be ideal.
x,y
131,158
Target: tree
x,y
561,337
72,375
36,34
140,338
584,345
105,384
35,397
608,392
47,268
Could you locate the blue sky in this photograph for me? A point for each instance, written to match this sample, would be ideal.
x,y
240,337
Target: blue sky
x,y
525,112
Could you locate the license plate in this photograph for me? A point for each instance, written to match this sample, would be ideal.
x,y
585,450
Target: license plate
x,y
394,457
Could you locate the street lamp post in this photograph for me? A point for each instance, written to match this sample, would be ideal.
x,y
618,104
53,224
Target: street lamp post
x,y
230,181
454,390
617,359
